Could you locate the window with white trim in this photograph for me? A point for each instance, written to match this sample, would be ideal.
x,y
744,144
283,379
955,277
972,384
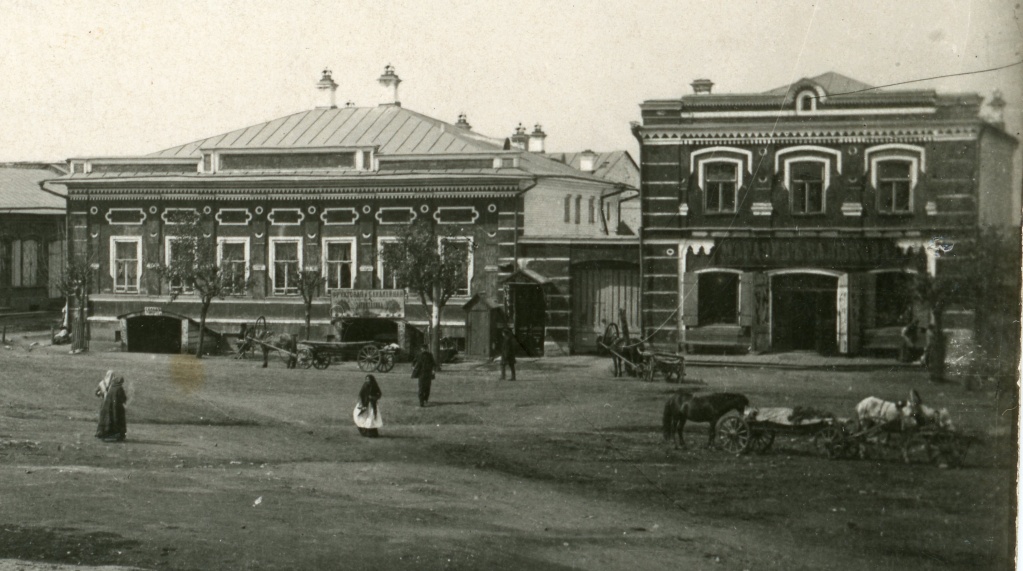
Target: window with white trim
x,y
806,102
126,263
718,302
720,186
385,275
460,246
894,186
174,255
339,263
233,261
806,179
285,263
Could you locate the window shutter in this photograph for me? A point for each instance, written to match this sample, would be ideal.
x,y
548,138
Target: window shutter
x,y
16,263
746,299
690,299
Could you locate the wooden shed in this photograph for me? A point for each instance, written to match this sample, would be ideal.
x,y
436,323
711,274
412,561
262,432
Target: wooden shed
x,y
484,321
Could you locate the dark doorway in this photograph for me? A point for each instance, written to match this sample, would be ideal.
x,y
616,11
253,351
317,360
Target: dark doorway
x,y
154,334
804,313
528,308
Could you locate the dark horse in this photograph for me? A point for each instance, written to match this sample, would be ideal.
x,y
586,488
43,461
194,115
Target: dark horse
x,y
683,406
625,356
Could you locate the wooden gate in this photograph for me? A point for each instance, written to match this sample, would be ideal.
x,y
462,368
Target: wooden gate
x,y
599,290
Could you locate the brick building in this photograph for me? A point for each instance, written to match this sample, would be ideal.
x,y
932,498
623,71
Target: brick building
x,y
324,188
792,219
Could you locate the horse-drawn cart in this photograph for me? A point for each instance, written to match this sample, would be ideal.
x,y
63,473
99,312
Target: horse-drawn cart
x,y
668,364
755,430
371,355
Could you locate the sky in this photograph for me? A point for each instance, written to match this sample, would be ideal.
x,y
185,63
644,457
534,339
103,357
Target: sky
x,y
111,78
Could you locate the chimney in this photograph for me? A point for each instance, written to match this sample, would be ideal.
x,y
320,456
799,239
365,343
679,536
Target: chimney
x,y
327,84
520,139
463,123
702,86
536,139
350,103
587,161
390,80
995,112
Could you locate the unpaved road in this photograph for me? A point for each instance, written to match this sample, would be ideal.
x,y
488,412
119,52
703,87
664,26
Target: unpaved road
x,y
230,466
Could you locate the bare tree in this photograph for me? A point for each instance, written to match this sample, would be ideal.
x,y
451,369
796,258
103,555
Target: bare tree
x,y
309,281
75,284
432,266
193,267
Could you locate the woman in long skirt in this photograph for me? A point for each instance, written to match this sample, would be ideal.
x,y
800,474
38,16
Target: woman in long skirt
x,y
367,411
113,424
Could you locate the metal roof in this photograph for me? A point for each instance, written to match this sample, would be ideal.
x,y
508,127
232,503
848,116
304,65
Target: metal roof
x,y
20,192
606,163
833,83
391,129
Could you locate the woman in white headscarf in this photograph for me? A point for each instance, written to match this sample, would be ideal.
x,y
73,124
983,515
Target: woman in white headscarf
x,y
113,424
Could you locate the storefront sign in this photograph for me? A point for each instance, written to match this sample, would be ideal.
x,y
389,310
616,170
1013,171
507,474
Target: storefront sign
x,y
781,252
365,268
152,311
259,267
387,303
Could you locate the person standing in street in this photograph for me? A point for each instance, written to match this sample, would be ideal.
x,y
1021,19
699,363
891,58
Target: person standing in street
x,y
422,369
113,424
508,348
367,411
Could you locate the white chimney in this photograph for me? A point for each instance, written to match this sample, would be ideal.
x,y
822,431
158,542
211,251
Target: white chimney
x,y
536,139
327,84
587,161
463,122
520,139
390,80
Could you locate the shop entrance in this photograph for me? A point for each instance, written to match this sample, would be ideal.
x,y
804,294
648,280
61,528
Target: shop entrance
x,y
528,309
153,334
804,313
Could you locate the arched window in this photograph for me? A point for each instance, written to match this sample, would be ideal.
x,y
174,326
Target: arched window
x,y
806,102
578,207
568,208
721,183
592,218
894,186
807,185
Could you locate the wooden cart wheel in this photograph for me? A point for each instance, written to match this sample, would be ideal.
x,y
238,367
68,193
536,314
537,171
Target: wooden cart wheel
x,y
369,358
386,362
760,441
947,449
321,362
733,434
831,441
305,357
259,329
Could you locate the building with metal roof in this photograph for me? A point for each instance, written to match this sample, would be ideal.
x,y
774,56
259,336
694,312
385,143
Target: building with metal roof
x,y
326,188
793,219
32,253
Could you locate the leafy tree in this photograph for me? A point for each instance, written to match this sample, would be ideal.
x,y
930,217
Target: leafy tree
x,y
982,274
308,282
74,284
418,261
193,268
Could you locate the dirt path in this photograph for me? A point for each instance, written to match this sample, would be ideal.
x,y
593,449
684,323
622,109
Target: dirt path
x,y
228,465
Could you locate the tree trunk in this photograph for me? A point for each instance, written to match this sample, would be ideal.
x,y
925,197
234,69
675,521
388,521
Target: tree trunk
x,y
936,346
308,317
78,330
435,308
202,327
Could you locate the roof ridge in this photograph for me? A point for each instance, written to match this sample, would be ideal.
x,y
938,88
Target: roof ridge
x,y
240,131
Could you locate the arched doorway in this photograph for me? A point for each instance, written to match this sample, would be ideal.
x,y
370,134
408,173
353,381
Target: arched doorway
x,y
804,312
153,334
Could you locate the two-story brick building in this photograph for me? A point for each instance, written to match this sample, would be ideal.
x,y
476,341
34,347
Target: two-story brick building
x,y
791,219
323,188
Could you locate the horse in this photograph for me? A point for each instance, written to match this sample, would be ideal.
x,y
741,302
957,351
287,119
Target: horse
x,y
283,341
683,406
904,418
625,356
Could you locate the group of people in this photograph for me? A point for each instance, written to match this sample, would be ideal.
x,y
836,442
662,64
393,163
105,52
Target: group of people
x,y
113,425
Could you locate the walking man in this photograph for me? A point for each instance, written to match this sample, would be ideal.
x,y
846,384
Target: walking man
x,y
422,369
508,347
